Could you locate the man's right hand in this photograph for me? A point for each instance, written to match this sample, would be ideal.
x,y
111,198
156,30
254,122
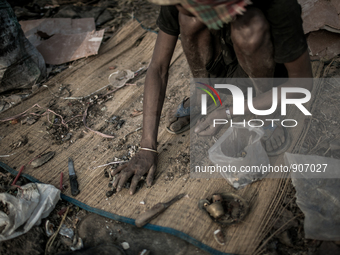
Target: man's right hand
x,y
139,165
154,92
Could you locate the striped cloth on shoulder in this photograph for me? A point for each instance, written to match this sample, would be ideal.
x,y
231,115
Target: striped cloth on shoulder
x,y
215,13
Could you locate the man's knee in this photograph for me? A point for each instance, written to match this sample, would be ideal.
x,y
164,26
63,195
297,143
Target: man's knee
x,y
250,31
191,27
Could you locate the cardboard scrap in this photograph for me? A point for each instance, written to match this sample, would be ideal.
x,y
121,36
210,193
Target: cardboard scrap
x,y
321,21
61,40
320,14
323,44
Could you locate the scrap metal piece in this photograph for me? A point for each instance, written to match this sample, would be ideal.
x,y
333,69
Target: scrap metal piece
x,y
235,208
43,159
157,209
215,209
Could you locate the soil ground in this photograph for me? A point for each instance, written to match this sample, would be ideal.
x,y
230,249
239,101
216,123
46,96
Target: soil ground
x,y
96,231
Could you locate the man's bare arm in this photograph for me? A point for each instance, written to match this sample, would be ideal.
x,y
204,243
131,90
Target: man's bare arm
x,y
154,93
155,87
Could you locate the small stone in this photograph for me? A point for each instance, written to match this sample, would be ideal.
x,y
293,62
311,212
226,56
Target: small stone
x,y
125,245
67,232
67,137
35,88
31,121
142,202
236,185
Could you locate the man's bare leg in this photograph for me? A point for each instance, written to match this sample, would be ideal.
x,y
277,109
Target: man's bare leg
x,y
254,50
198,46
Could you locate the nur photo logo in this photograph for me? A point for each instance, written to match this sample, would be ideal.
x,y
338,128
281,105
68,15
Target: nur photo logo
x,y
204,97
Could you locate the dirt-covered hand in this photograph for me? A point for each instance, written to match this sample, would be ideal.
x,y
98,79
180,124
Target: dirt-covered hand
x,y
139,165
205,126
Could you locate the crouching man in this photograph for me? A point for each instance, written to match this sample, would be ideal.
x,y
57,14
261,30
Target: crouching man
x,y
226,39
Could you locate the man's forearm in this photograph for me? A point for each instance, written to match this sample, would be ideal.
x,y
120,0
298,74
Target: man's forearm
x,y
154,94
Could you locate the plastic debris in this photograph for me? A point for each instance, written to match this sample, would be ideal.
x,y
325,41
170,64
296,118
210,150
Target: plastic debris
x,y
317,194
219,236
21,64
67,232
144,252
49,228
119,78
79,245
240,146
33,202
125,245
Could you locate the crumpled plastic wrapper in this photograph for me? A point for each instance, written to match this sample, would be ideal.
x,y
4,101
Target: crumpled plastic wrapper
x,y
239,147
33,203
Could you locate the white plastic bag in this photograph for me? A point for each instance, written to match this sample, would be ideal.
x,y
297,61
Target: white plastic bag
x,y
235,141
317,194
33,203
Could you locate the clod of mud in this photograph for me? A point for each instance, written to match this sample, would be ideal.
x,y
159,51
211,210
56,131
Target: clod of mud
x,y
110,192
117,122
